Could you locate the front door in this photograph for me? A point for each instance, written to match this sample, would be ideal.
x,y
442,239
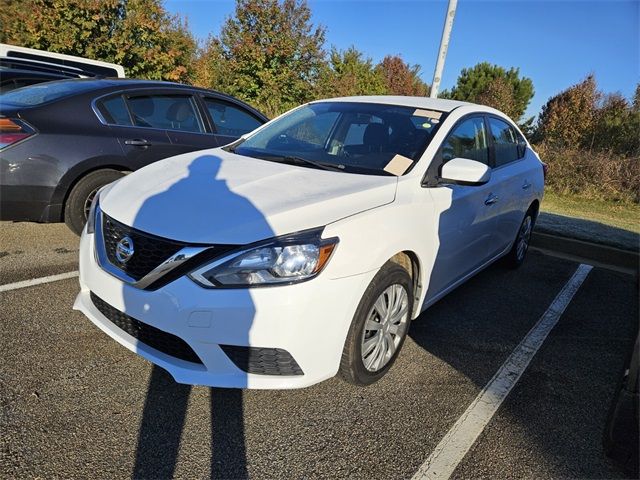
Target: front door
x,y
465,213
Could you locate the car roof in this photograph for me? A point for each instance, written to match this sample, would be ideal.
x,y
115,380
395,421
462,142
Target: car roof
x,y
101,83
438,104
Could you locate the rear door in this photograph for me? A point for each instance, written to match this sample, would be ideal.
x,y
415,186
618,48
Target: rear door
x,y
131,123
229,120
513,174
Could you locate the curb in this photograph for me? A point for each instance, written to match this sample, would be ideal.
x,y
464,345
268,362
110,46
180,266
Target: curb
x,y
603,254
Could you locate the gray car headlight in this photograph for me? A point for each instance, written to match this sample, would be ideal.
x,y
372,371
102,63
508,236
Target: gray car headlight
x,y
279,261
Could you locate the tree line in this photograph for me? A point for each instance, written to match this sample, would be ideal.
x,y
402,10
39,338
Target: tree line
x,y
270,54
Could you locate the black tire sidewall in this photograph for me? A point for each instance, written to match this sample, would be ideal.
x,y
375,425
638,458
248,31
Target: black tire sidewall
x,y
352,367
74,206
512,256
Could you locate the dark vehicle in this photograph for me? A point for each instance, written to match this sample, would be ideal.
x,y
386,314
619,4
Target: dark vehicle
x,y
621,432
62,141
22,72
18,72
12,78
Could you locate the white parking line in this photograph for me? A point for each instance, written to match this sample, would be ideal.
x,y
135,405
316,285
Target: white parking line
x,y
37,281
459,439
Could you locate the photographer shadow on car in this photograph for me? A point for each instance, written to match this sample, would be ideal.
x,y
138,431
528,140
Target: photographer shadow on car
x,y
165,407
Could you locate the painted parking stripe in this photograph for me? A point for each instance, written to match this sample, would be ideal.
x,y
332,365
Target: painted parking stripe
x,y
37,281
456,443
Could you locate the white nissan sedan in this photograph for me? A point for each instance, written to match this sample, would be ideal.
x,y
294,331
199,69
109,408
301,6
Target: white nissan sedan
x,y
306,248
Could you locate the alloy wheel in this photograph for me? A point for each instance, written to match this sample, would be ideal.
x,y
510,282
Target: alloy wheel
x,y
385,327
523,237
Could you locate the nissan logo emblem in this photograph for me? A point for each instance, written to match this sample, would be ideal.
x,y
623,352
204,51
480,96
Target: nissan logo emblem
x,y
124,249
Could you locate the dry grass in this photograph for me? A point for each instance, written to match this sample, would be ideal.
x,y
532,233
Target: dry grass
x,y
592,175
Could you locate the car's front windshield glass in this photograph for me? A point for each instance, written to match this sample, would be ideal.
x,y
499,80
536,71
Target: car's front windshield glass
x,y
354,137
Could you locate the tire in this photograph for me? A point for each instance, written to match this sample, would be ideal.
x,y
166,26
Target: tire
x,y
78,201
353,365
518,251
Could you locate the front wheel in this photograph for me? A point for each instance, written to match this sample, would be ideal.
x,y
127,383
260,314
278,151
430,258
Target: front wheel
x,y
379,327
516,255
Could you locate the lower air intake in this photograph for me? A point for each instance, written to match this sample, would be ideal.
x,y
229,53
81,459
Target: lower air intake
x,y
262,361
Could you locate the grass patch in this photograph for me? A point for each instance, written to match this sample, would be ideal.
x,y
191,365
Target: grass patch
x,y
621,215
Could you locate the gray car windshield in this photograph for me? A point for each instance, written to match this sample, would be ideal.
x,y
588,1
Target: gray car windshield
x,y
353,137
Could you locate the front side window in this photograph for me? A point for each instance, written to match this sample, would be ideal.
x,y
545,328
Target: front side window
x,y
467,140
171,112
352,137
505,142
230,120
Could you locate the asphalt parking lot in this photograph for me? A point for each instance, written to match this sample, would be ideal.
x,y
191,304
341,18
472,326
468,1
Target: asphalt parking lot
x,y
75,404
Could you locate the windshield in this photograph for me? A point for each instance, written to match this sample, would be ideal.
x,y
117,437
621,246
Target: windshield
x,y
352,137
44,92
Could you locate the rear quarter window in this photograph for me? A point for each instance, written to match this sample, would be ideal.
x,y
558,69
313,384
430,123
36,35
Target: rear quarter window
x,y
115,111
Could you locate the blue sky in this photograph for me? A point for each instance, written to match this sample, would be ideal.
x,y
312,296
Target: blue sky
x,y
555,43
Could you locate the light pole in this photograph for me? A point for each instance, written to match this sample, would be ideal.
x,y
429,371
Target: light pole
x,y
444,46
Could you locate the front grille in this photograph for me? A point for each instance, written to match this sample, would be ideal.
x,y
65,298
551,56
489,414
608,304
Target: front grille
x,y
262,361
149,250
151,336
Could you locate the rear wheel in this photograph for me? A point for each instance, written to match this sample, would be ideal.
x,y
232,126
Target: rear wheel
x,y
379,327
76,209
518,252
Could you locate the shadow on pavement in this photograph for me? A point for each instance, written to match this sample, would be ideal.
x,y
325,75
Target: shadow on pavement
x,y
588,231
163,421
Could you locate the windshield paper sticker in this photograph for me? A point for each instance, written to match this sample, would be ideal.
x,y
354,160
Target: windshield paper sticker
x,y
427,113
398,165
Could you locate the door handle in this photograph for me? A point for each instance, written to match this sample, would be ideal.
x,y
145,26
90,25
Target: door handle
x,y
526,185
491,199
138,142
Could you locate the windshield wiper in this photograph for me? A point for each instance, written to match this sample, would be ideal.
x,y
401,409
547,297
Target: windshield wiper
x,y
299,160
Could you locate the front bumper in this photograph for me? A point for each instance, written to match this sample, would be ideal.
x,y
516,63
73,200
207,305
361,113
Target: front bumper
x,y
309,320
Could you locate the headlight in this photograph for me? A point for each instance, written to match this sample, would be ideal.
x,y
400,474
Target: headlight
x,y
91,218
279,261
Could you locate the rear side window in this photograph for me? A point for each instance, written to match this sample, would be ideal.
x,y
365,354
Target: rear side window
x,y
229,119
115,111
505,142
171,112
467,140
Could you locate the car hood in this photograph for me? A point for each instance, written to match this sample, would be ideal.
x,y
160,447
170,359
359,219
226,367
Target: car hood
x,y
213,196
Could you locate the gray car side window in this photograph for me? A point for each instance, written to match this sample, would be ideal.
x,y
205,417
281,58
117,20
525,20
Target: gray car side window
x,y
229,119
171,112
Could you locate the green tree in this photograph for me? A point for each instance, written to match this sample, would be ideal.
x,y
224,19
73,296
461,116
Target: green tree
x,y
138,34
567,119
350,73
400,78
506,89
268,54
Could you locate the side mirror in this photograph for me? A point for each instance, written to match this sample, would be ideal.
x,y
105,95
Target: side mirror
x,y
465,172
